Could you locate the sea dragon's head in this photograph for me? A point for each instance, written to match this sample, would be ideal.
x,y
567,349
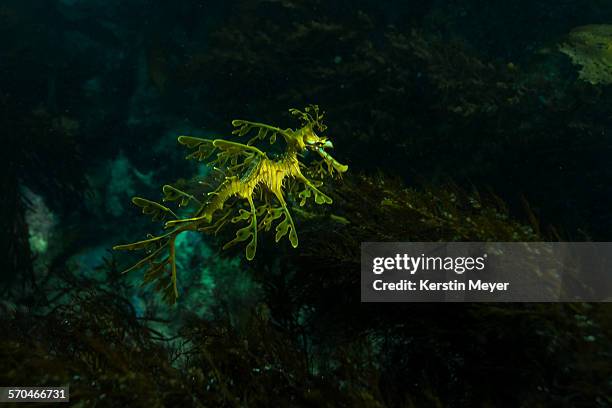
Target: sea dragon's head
x,y
308,139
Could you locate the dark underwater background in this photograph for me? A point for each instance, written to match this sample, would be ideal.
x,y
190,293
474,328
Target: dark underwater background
x,y
459,120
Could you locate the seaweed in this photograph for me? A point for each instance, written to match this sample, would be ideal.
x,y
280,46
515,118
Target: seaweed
x,y
306,344
93,340
523,348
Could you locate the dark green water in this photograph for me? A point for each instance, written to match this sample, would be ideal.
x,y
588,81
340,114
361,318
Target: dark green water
x,y
463,107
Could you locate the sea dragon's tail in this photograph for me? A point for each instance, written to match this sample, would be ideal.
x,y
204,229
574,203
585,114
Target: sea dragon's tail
x,y
161,249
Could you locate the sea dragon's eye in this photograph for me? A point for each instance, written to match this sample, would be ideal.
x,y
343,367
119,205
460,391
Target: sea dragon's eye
x,y
327,144
311,139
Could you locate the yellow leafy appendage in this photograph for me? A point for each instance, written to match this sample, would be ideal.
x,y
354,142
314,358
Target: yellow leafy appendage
x,y
250,175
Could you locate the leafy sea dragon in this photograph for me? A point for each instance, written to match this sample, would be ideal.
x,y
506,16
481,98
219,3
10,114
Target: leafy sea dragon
x,y
249,174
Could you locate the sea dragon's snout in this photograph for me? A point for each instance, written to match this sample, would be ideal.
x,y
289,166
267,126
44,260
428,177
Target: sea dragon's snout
x,y
341,168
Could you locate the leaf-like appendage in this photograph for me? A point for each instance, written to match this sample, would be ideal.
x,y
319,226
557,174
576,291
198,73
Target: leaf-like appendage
x,y
281,229
321,198
250,250
311,116
165,285
236,148
193,142
306,193
218,224
174,194
242,235
155,268
287,226
243,215
243,127
247,232
261,135
205,147
272,214
148,259
155,271
157,211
